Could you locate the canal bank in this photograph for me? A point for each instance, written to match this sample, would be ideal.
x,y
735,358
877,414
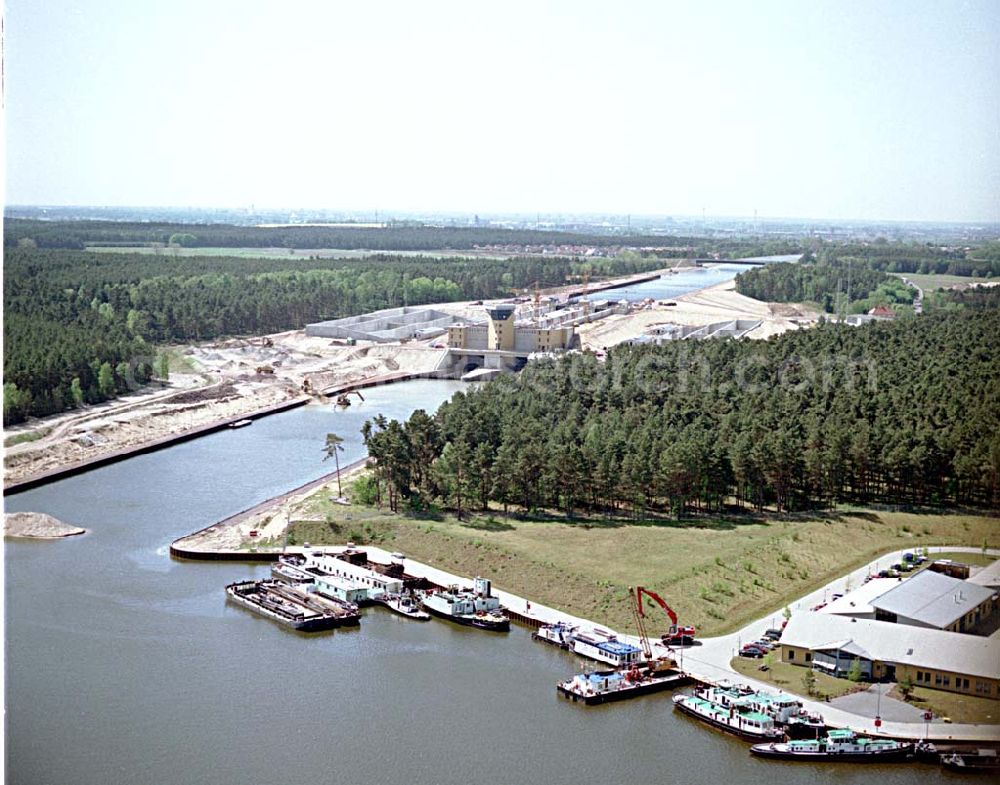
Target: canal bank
x,y
153,445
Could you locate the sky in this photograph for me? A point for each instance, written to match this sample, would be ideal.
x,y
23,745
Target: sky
x,y
853,109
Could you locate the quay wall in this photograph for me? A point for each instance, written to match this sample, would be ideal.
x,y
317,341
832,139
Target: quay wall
x,y
80,467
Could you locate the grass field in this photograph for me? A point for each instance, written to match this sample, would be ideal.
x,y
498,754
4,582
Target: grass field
x,y
958,708
789,678
931,282
716,574
25,436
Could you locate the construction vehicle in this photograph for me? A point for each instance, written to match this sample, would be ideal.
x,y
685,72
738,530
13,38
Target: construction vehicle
x,y
678,635
652,663
343,400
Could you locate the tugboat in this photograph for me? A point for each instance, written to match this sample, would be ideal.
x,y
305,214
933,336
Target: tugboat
x,y
838,745
476,608
730,711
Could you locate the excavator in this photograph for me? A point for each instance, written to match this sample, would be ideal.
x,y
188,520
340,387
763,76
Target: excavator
x,y
344,401
678,635
652,664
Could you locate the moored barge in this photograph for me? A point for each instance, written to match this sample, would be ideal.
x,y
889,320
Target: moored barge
x,y
476,608
838,745
615,685
290,606
730,712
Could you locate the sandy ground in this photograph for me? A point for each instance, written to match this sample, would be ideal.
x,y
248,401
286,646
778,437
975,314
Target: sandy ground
x,y
717,303
231,378
269,520
37,525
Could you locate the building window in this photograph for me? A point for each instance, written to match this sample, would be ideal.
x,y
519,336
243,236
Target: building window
x,y
809,656
947,681
791,654
920,677
937,679
965,684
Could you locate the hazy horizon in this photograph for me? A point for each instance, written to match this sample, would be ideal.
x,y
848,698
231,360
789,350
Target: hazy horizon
x,y
861,112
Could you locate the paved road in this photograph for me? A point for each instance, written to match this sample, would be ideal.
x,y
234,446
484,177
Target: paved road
x,y
918,301
873,701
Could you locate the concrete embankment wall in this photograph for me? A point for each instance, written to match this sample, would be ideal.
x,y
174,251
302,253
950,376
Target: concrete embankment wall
x,y
157,444
190,547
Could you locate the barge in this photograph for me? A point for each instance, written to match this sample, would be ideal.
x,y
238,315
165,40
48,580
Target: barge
x,y
603,646
729,711
476,608
838,745
621,684
290,606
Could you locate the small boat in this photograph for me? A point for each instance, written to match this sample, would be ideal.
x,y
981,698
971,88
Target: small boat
x,y
978,762
729,711
240,423
838,745
291,569
559,634
404,605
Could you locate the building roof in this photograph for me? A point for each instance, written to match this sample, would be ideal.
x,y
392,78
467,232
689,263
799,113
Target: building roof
x,y
848,647
900,644
859,601
932,598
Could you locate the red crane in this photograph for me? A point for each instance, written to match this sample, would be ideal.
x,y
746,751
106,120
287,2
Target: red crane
x,y
677,633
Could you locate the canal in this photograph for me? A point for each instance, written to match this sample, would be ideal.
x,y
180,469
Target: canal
x,y
125,666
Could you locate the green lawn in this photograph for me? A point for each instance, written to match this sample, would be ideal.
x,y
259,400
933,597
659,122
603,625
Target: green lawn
x,y
25,436
931,282
957,708
789,678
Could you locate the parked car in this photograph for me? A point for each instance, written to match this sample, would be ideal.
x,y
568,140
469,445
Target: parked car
x,y
773,634
752,651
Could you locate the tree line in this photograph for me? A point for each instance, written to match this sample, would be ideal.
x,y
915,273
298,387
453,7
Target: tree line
x,y
981,260
889,412
849,282
398,237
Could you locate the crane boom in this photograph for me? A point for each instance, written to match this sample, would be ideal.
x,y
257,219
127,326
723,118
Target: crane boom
x,y
658,600
675,628
636,597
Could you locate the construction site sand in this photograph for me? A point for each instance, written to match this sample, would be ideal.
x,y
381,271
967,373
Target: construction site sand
x,y
229,381
717,303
